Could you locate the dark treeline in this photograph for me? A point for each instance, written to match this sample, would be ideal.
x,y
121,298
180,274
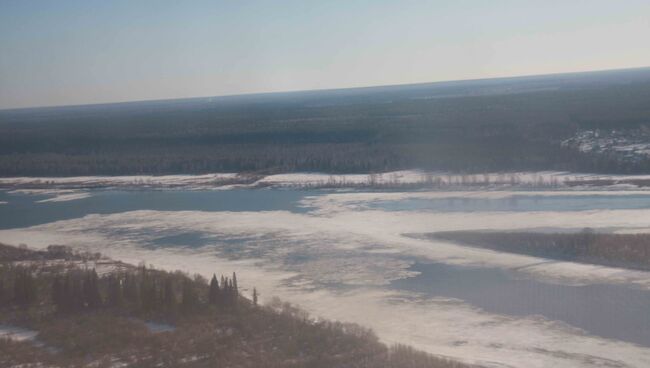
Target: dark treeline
x,y
52,252
144,290
587,246
489,125
88,320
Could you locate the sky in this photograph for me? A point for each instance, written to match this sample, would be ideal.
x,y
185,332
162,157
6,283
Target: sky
x,y
69,52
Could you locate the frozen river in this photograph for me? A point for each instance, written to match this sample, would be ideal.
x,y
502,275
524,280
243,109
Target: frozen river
x,y
352,256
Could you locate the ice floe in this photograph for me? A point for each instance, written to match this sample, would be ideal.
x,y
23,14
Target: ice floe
x,y
66,197
55,195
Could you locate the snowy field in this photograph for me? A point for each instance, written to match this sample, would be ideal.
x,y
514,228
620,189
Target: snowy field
x,y
338,259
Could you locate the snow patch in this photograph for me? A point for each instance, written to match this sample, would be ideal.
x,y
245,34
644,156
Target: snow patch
x,y
17,333
159,327
144,181
56,195
66,197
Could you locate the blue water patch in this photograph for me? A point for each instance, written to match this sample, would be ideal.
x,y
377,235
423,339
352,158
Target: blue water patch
x,y
22,210
191,239
516,203
230,246
610,311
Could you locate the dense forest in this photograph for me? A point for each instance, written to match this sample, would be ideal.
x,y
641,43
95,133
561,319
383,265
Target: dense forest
x,y
470,126
128,316
587,246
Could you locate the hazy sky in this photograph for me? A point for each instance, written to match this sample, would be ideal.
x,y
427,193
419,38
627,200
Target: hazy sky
x,y
75,52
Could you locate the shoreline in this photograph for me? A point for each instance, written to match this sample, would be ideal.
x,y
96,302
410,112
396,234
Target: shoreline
x,y
405,179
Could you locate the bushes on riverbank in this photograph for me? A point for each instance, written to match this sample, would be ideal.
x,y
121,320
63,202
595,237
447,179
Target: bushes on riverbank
x,y
587,246
105,320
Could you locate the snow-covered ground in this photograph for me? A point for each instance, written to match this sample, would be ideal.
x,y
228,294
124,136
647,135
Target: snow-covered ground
x,y
346,242
101,266
549,179
406,177
626,145
144,181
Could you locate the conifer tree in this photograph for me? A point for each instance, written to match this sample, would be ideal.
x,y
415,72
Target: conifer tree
x,y
160,296
18,287
254,296
76,291
57,293
85,289
169,298
213,293
92,297
24,287
189,300
66,293
130,289
115,293
150,290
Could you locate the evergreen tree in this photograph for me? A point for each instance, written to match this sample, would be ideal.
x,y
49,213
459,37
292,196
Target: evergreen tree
x,y
115,293
235,290
149,290
57,293
254,296
67,298
18,288
24,287
169,298
160,296
131,289
92,297
189,295
213,294
76,282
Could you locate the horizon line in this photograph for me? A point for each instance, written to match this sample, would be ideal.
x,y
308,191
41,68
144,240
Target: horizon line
x,y
260,93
